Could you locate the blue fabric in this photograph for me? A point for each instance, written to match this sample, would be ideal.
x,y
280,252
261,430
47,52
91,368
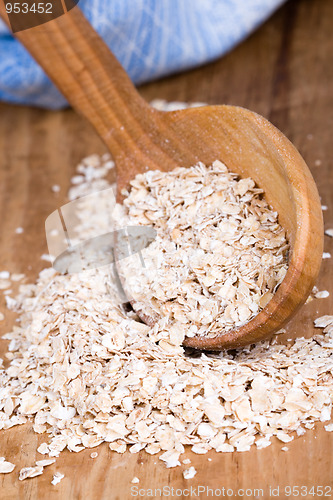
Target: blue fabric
x,y
151,38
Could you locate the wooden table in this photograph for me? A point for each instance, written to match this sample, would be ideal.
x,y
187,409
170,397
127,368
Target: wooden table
x,y
284,72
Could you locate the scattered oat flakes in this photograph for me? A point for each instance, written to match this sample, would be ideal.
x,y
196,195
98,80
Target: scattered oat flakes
x,y
135,480
284,448
28,472
323,321
47,257
77,179
329,427
77,346
119,447
189,473
263,442
322,294
281,332
4,284
57,477
46,462
17,276
43,449
226,448
6,467
200,449
285,438
171,458
10,302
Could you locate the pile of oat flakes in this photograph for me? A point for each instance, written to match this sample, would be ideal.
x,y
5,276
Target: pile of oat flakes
x,y
84,370
218,256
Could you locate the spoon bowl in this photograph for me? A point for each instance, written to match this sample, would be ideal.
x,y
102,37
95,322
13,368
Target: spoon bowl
x,y
141,138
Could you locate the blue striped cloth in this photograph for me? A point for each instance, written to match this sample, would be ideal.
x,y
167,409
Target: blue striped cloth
x,y
151,38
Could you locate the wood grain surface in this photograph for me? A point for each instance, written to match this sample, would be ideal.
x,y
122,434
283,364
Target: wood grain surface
x,y
284,72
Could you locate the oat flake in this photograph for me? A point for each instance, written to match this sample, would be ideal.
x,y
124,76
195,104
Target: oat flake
x,y
189,473
57,477
6,467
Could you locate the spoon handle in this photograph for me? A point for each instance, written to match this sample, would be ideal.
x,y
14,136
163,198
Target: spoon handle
x,y
89,76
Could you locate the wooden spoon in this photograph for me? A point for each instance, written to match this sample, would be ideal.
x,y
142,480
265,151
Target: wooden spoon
x,y
141,138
